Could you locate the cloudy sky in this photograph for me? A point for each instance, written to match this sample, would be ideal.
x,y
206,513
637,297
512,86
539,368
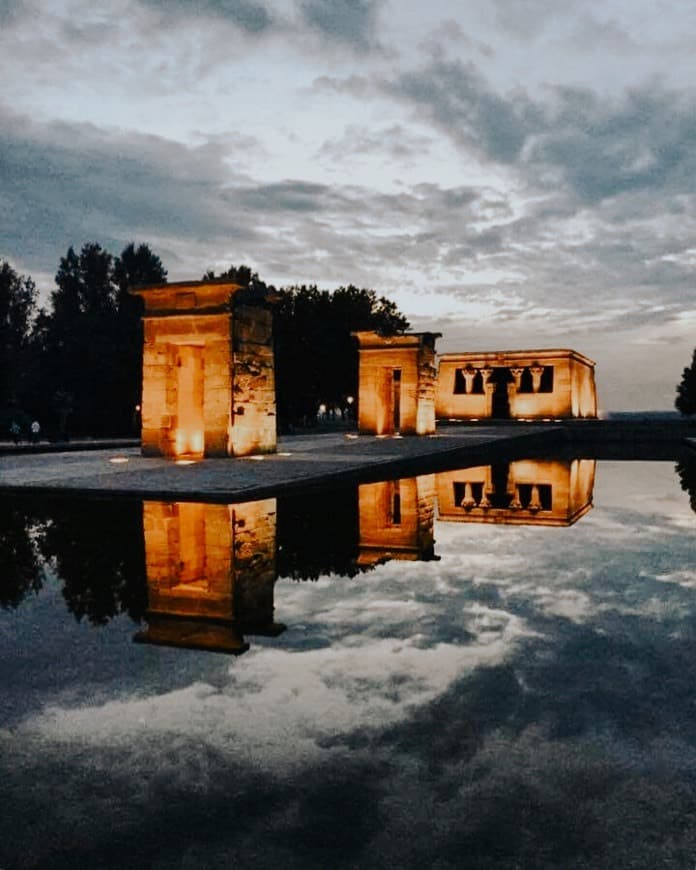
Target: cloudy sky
x,y
513,173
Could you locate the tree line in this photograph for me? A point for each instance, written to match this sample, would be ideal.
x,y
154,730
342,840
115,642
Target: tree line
x,y
76,364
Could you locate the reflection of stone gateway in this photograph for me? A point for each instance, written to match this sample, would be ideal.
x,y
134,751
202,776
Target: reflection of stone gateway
x,y
396,520
210,574
208,375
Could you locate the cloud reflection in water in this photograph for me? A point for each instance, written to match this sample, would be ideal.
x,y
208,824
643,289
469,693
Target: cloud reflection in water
x,y
525,700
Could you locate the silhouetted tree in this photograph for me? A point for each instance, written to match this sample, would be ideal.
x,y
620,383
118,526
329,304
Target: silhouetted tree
x,y
316,358
98,550
255,290
81,348
135,266
686,472
17,311
686,389
319,534
20,568
90,341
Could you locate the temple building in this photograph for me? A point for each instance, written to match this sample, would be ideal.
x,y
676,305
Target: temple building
x,y
521,384
525,492
396,383
208,372
211,572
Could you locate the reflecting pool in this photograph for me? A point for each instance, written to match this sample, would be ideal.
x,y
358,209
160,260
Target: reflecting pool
x,y
493,667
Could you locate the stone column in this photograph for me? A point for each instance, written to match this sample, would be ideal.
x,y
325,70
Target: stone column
x,y
534,502
468,502
490,389
537,371
517,375
469,375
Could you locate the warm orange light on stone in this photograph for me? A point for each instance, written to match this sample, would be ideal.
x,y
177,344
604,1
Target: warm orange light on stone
x,y
208,375
396,383
521,384
396,519
210,573
525,492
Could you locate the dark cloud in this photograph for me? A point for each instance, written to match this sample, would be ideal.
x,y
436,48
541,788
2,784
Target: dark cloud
x,y
9,9
646,141
351,22
354,86
292,196
65,183
249,15
395,142
526,18
456,98
594,146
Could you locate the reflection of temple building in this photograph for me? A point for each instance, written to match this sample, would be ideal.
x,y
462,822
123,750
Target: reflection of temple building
x,y
208,376
396,383
530,384
396,519
529,491
210,574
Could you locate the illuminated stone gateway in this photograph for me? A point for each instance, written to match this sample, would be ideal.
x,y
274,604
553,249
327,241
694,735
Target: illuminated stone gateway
x,y
208,374
521,384
396,383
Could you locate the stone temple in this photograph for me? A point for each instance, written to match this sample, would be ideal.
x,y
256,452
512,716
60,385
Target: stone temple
x,y
404,387
208,374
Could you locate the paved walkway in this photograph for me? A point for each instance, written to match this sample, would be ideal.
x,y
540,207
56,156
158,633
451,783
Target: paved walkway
x,y
302,461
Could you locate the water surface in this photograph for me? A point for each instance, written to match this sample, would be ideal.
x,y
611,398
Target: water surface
x,y
425,692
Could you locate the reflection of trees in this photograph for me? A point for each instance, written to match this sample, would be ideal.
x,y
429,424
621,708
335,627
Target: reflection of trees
x,y
686,471
97,548
317,533
20,568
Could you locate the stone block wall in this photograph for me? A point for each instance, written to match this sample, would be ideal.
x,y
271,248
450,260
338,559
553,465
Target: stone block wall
x,y
396,383
396,519
253,405
208,372
164,339
469,385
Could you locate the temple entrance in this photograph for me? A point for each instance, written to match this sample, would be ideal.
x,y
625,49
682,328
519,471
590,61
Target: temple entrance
x,y
500,409
189,438
396,400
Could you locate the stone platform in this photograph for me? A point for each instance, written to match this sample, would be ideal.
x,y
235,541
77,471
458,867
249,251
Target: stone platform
x,y
328,459
302,461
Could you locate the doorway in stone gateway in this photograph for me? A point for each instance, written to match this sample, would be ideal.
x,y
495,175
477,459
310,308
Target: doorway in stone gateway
x,y
396,400
500,409
191,561
190,433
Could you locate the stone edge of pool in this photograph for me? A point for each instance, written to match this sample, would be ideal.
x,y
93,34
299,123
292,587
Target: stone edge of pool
x,y
308,461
